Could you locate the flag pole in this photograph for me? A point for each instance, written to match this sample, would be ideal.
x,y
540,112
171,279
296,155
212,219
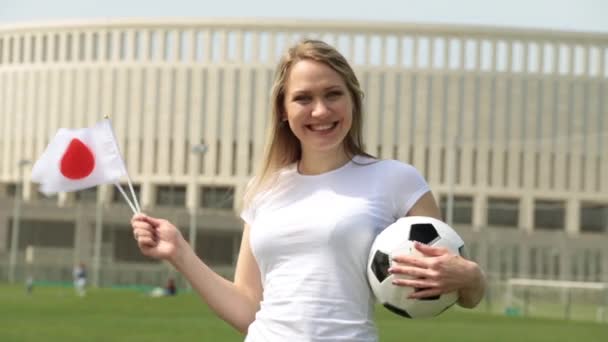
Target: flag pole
x,y
133,193
137,208
126,197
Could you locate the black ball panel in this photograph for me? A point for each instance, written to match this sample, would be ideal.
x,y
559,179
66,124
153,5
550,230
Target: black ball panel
x,y
462,251
445,309
380,265
396,310
426,298
423,232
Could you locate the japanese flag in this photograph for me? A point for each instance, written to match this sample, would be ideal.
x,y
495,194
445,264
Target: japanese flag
x,y
76,159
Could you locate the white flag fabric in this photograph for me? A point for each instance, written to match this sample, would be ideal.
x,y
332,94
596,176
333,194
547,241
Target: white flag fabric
x,y
77,159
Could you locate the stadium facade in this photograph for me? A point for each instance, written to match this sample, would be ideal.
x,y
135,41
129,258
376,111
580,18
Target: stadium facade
x,y
509,126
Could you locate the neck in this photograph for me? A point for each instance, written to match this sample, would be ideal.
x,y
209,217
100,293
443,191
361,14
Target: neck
x,y
321,162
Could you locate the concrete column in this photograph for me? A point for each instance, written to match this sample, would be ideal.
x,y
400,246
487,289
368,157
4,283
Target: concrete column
x,y
192,205
565,264
192,197
526,214
147,195
480,217
27,188
63,199
524,261
482,255
105,193
239,193
573,214
83,239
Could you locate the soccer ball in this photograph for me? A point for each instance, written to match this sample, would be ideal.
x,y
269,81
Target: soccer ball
x,y
398,238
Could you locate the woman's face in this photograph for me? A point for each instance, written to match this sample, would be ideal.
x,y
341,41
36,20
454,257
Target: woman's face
x,y
318,106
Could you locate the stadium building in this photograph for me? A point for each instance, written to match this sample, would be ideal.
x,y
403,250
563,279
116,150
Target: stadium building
x,y
509,126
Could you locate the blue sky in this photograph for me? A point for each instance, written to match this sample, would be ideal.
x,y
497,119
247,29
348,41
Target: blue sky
x,y
580,15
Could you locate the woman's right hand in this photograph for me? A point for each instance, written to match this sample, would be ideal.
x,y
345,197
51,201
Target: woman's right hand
x,y
157,238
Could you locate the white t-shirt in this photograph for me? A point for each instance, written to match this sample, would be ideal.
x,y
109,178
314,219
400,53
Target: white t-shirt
x,y
311,236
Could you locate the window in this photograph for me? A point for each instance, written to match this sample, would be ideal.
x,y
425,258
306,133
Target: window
x,y
515,260
11,190
172,196
505,261
503,212
586,265
121,239
217,247
44,233
532,269
217,197
462,210
87,195
549,214
594,217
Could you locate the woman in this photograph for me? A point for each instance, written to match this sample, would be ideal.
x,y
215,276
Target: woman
x,y
311,215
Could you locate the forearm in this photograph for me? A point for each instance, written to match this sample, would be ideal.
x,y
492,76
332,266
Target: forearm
x,y
223,296
471,295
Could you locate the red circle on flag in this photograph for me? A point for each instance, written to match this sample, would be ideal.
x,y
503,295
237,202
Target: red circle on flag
x,y
78,161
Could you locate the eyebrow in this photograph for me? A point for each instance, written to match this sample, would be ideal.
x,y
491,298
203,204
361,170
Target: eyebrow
x,y
306,91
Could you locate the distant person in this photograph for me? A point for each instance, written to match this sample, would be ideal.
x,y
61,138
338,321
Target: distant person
x,y
311,215
80,279
29,285
171,289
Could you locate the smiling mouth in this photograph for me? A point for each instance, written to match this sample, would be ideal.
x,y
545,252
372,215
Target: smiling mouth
x,y
323,127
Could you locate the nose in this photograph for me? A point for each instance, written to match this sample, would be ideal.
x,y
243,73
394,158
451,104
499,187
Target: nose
x,y
320,109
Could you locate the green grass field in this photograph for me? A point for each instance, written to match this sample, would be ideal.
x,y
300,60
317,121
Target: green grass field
x,y
57,314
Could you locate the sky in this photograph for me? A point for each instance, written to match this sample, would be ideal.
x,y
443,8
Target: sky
x,y
570,15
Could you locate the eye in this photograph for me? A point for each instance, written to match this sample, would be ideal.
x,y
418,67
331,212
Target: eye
x,y
302,98
334,94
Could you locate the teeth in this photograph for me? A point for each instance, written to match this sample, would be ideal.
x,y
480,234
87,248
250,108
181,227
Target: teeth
x,y
321,127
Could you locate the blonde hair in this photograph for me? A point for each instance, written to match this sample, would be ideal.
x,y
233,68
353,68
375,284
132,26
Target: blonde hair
x,y
283,147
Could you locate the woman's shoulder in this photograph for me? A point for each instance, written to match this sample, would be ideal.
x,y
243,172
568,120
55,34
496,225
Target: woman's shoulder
x,y
384,165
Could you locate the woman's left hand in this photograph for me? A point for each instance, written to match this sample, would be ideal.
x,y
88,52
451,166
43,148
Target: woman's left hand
x,y
438,271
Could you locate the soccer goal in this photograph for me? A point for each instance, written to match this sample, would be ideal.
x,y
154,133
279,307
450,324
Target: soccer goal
x,y
557,299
